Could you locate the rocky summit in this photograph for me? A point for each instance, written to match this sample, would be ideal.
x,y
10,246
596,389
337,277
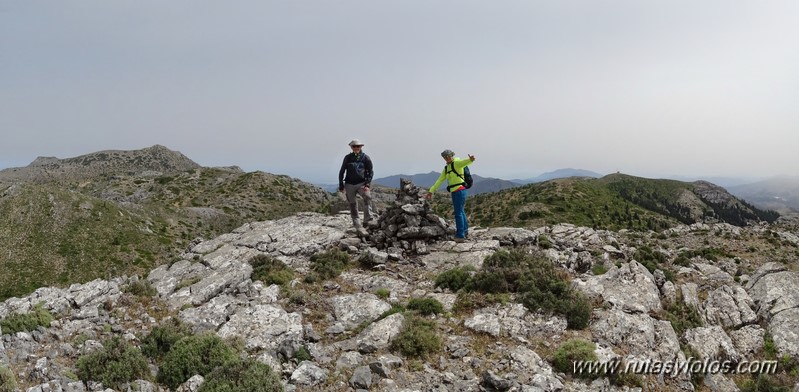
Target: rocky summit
x,y
337,311
155,160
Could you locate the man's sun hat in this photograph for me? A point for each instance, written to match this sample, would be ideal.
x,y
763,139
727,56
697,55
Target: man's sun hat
x,y
356,142
447,153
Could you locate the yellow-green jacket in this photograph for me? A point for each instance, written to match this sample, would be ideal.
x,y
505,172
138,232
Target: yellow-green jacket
x,y
453,179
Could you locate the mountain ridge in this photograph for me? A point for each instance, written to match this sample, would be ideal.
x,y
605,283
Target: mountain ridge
x,y
615,201
115,208
156,159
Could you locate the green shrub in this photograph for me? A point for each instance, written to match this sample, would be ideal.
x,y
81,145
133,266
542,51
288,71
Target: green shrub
x,y
270,270
117,363
577,310
544,242
649,258
599,269
26,322
242,376
536,282
383,292
141,288
161,339
468,301
418,338
707,253
769,348
7,381
329,264
426,306
766,383
302,354
454,279
197,354
572,351
682,316
395,308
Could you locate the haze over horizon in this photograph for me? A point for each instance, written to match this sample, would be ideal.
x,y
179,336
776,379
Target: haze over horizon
x,y
657,90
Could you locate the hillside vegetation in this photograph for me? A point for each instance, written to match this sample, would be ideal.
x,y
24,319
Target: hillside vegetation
x,y
68,231
124,212
613,202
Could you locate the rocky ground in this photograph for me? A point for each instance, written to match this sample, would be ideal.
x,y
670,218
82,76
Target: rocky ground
x,y
745,292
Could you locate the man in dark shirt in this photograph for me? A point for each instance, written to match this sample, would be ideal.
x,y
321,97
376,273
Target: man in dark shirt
x,y
354,179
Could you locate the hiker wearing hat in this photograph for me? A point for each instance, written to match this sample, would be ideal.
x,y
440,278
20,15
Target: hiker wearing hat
x,y
354,179
456,185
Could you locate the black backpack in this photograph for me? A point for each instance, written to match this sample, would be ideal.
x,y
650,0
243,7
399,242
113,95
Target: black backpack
x,y
468,181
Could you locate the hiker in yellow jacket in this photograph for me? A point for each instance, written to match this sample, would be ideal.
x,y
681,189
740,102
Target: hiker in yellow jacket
x,y
453,173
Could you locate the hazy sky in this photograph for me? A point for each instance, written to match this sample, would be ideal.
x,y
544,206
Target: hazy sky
x,y
645,87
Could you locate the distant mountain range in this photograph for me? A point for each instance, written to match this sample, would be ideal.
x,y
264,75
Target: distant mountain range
x,y
560,173
484,184
779,193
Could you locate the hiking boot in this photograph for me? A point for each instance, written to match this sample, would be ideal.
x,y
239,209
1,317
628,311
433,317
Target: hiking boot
x,y
370,224
361,231
459,240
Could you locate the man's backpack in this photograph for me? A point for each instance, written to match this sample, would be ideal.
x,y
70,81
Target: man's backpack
x,y
468,181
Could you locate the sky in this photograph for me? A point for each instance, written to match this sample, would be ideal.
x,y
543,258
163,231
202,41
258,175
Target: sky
x,y
649,88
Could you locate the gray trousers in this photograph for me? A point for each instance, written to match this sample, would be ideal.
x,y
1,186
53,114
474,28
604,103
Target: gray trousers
x,y
352,191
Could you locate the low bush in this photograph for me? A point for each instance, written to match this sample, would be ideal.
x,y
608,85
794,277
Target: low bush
x,y
418,338
572,351
536,281
769,348
544,242
468,301
270,270
383,292
454,279
395,308
117,363
599,269
328,265
302,354
242,376
161,339
7,381
649,258
766,383
141,288
197,354
426,306
681,316
26,322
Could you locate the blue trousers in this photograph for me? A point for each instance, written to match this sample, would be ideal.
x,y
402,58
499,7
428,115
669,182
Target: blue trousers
x,y
459,202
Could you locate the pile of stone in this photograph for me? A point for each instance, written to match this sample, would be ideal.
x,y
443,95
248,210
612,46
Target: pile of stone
x,y
409,224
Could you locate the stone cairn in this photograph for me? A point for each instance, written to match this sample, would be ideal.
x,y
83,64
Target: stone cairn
x,y
409,224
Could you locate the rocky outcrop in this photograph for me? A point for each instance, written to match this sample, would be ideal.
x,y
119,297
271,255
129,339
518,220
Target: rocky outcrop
x,y
711,342
637,334
514,321
729,306
353,310
630,288
774,291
